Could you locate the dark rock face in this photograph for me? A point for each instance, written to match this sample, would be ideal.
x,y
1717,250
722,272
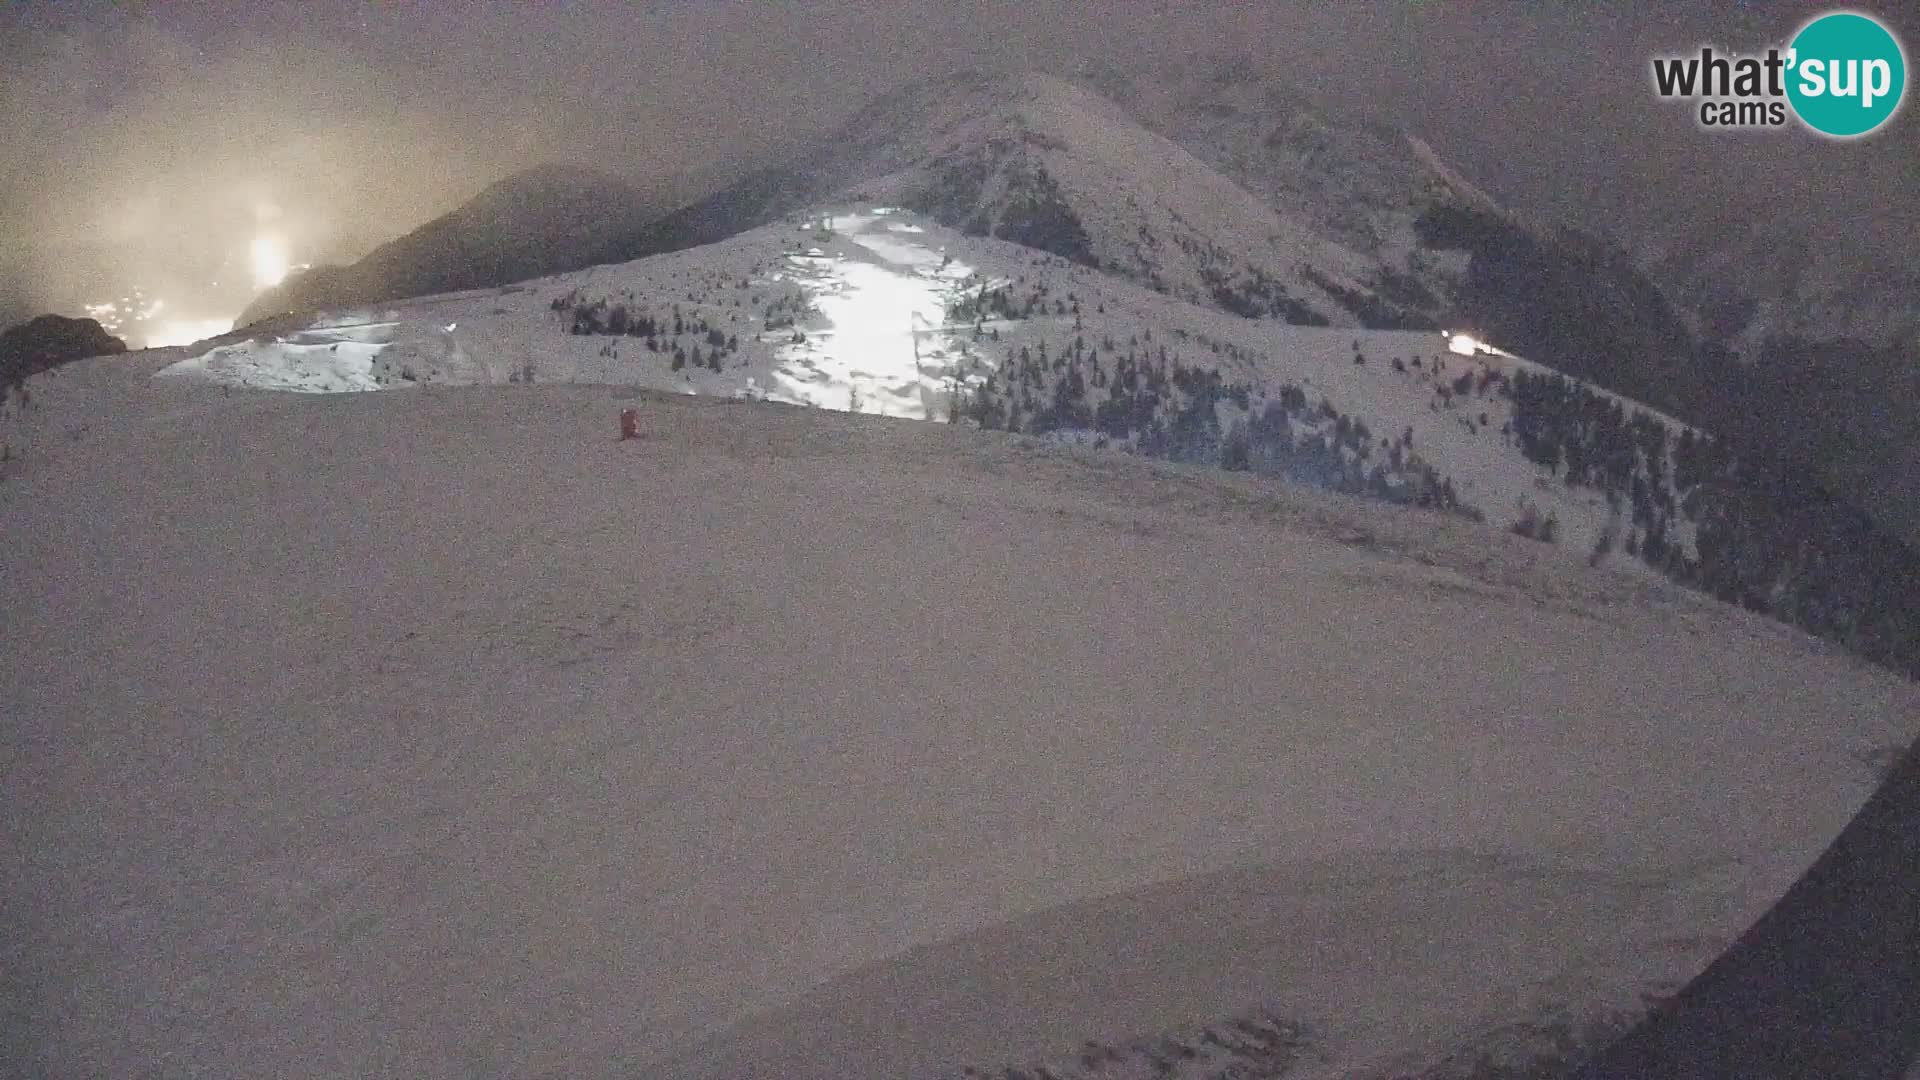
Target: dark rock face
x,y
49,341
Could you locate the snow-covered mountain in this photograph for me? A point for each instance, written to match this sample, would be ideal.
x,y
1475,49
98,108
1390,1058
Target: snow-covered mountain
x,y
1361,184
1025,254
1203,181
1051,164
880,310
875,308
522,722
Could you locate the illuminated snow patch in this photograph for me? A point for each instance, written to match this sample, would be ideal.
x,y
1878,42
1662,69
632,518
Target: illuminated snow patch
x,y
900,250
904,253
884,329
312,361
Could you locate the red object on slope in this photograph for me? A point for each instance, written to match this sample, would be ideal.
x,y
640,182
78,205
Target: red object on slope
x,y
629,424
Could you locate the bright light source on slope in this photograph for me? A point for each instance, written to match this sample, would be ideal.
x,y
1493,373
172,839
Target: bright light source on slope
x,y
186,331
1464,345
269,260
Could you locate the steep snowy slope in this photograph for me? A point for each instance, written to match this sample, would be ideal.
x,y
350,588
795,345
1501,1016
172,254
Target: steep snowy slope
x,y
1361,185
1061,169
1442,251
439,733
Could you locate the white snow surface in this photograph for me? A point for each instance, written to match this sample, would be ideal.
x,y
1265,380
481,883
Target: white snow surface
x,y
323,360
442,733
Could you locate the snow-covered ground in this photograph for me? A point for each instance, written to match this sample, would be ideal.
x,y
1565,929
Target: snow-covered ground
x,y
442,733
324,360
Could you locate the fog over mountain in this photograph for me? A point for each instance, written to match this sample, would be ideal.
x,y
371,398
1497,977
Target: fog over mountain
x,y
155,143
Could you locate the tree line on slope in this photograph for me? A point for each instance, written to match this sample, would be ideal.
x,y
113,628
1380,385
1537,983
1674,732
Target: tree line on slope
x,y
1769,534
1849,408
1773,532
1569,302
606,317
1143,398
1765,532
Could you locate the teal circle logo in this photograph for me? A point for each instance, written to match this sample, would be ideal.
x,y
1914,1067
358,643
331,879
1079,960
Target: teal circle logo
x,y
1846,74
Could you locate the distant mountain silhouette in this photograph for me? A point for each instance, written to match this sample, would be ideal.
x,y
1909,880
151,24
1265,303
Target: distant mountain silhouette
x,y
49,341
545,220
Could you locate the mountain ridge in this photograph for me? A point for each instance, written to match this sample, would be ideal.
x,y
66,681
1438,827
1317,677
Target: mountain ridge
x,y
539,221
1227,187
999,145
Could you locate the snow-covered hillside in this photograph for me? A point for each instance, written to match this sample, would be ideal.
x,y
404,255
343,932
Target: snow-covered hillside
x,y
1063,169
1048,252
330,357
876,309
440,733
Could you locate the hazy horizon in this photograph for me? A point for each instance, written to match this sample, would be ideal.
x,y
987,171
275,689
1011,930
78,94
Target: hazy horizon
x,y
156,143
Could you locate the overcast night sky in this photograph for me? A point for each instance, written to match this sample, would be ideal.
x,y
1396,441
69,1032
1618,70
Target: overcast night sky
x,y
145,142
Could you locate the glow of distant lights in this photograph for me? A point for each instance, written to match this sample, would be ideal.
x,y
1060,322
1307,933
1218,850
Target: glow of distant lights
x,y
269,261
133,317
186,331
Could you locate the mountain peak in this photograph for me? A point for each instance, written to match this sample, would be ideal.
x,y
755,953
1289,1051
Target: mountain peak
x,y
1211,183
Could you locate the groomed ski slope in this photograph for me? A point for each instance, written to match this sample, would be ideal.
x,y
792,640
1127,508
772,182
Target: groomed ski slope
x,y
440,733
